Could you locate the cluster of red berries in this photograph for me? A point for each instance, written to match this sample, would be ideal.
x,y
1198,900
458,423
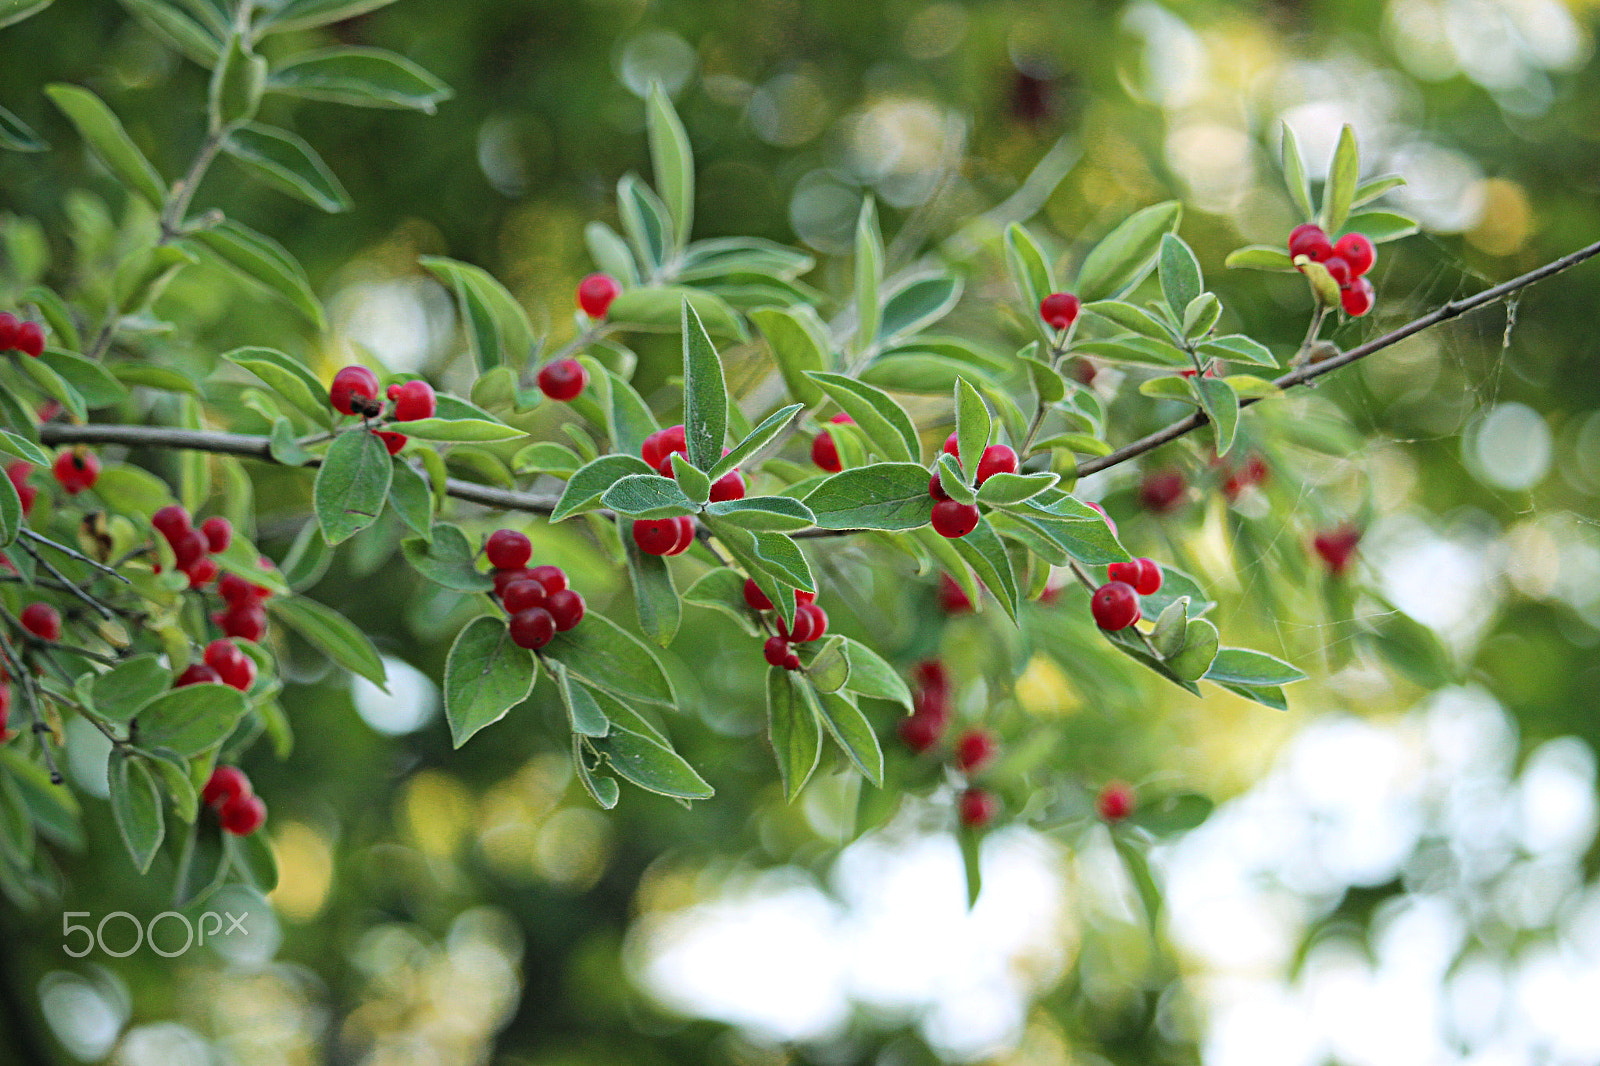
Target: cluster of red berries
x,y
355,392
930,706
192,548
1115,605
1346,262
537,599
224,663
672,536
1337,547
810,623
952,518
17,335
76,469
238,808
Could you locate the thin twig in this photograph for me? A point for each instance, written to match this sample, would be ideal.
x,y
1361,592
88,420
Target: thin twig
x,y
66,583
30,699
67,550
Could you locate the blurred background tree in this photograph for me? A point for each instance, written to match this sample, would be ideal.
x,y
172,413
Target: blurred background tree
x,y
1401,872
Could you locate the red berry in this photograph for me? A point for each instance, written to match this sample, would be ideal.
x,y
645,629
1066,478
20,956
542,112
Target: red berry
x,y
920,731
974,750
685,535
201,572
504,578
224,784
30,339
218,533
953,598
567,608
235,590
1337,547
1338,270
997,459
17,473
932,674
1059,310
776,650
76,469
1115,802
354,390
198,674
1114,605
802,596
954,520
1310,240
1357,297
393,391
1357,250
1143,574
825,452
1109,520
665,468
5,712
755,597
245,619
233,666
532,628
508,549
656,536
189,547
729,486
1083,371
42,620
936,488
523,595
414,400
243,815
1162,491
563,380
978,807
8,331
170,522
810,623
662,443
596,292
792,660
392,441
952,446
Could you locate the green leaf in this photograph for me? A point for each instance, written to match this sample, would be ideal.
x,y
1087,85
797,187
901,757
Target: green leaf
x,y
264,261
853,733
136,807
1178,812
1373,188
201,42
973,425
97,387
1047,383
459,430
1144,882
1199,650
1201,315
17,10
586,487
173,772
694,484
307,14
610,253
332,634
411,499
1411,648
1130,316
202,865
11,516
252,857
485,676
362,77
1131,349
869,275
1170,387
722,589
1381,226
1004,490
546,457
782,555
287,377
497,327
1294,175
917,306
628,417
121,692
1240,666
885,423
971,844
673,162
721,256
932,375
1180,274
23,448
660,310
1237,348
757,439
351,485
826,665
647,496
286,162
604,790
954,480
236,83
705,397
103,132
191,719
131,490
793,728
1124,256
871,676
643,761
1343,175
1029,269
1266,695
584,712
56,313
784,514
56,387
654,595
647,222
984,552
799,343
1259,257
888,496
612,659
1171,629
17,136
446,559
1221,405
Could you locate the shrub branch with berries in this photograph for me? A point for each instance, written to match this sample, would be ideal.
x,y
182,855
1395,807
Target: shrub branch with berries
x,y
953,459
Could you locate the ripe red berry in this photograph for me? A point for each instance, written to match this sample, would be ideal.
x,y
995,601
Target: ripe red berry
x,y
42,620
954,520
933,675
729,486
802,596
76,469
503,579
17,473
30,339
776,650
553,578
1357,250
1338,270
685,535
414,400
978,807
1143,574
814,620
936,487
532,628
756,599
952,446
392,442
523,595
1310,240
246,619
974,750
393,391
189,547
218,532
354,391
5,712
508,549
198,674
656,536
1162,491
1114,605
243,815
953,598
563,379
1337,547
1059,310
1109,520
920,732
1357,298
233,666
567,608
824,450
224,784
170,522
595,294
8,331
201,572
662,443
997,459
235,590
1115,802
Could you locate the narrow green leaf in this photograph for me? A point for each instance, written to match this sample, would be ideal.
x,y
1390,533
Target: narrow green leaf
x,y
286,162
799,343
1199,649
547,457
705,396
352,485
1004,490
1237,348
201,42
984,552
332,634
286,376
648,224
871,676
971,844
473,430
497,327
1382,226
1294,175
693,482
136,807
1175,813
610,658
1171,629
889,496
1201,315
1373,188
264,261
1259,257
308,14
446,559
484,677
584,713
10,513
1181,281
1047,383
647,496
17,136
1241,666
1128,348
853,733
236,83
254,861
411,498
362,77
954,480
659,309
869,275
1130,316
610,253
1125,255
16,10
722,589
191,719
91,380
103,132
604,790
585,488
654,595
885,423
642,761
917,306
673,162
973,425
1221,405
23,448
120,693
757,439
1343,175
793,729
1029,269
784,514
